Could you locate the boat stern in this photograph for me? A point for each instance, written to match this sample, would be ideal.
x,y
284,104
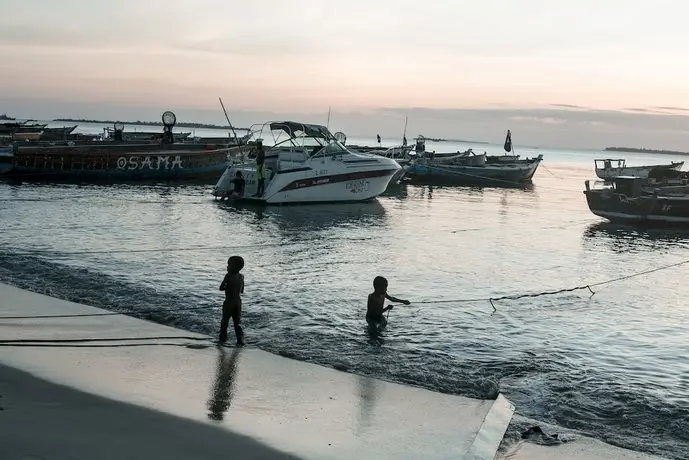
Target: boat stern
x,y
225,185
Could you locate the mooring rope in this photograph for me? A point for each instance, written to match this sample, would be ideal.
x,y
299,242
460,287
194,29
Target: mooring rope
x,y
588,286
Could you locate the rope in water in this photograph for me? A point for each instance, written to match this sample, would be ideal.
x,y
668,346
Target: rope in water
x,y
559,291
589,286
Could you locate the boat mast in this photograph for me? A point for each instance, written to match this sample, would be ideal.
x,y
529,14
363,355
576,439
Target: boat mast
x,y
229,123
328,124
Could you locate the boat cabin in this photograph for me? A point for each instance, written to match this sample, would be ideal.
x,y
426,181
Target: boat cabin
x,y
630,186
291,144
609,163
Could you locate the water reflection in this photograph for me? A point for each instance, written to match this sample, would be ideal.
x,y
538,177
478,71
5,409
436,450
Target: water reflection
x,y
223,388
315,216
368,394
396,190
621,238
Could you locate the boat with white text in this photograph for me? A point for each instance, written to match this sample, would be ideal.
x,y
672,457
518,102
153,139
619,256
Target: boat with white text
x,y
120,161
305,163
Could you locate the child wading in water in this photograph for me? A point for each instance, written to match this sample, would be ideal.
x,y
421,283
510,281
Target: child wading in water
x,y
233,285
376,300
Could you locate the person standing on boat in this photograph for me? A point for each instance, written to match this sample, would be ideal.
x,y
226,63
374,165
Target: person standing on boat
x,y
233,285
376,302
260,168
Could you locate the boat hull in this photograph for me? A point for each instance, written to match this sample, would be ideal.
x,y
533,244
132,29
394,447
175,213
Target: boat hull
x,y
6,160
490,175
312,185
121,164
647,209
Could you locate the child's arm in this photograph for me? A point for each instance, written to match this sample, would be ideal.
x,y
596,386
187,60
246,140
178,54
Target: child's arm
x,y
373,305
223,285
395,299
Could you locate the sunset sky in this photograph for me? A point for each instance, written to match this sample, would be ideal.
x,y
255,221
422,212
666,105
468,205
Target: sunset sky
x,y
462,69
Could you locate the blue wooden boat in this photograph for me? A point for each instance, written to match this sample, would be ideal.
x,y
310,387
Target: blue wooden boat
x,y
441,172
468,168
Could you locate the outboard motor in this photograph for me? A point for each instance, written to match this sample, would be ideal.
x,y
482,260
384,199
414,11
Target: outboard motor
x,y
169,120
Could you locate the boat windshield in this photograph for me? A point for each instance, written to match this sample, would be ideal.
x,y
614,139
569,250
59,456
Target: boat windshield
x,y
333,148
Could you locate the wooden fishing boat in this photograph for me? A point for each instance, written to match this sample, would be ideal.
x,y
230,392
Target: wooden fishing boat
x,y
468,168
120,162
633,200
609,169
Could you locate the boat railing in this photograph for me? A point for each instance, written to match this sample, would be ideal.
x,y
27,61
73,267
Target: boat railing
x,y
610,163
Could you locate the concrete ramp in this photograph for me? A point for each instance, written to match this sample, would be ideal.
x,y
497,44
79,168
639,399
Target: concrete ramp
x,y
302,409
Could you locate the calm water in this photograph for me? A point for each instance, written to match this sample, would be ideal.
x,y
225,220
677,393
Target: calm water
x,y
615,365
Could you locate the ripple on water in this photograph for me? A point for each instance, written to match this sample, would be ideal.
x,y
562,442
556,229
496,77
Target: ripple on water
x,y
613,365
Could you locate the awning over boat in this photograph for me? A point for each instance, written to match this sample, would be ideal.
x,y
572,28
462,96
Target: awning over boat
x,y
295,129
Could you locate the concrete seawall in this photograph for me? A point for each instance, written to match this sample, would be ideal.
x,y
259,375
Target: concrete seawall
x,y
99,372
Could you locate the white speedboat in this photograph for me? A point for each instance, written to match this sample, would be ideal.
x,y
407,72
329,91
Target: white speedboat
x,y
306,164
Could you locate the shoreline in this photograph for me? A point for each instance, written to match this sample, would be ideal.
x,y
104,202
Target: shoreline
x,y
166,378
649,151
310,411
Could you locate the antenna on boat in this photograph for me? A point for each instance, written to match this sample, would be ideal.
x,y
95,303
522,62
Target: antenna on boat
x,y
230,124
328,125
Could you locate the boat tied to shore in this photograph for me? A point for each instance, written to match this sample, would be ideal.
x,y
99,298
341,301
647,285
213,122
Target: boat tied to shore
x,y
305,163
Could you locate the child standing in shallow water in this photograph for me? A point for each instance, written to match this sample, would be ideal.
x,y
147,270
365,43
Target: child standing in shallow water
x,y
376,301
233,285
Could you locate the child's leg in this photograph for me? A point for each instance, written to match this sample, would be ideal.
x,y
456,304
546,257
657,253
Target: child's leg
x,y
224,323
239,332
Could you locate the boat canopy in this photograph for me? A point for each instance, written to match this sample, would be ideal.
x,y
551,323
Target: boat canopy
x,y
296,129
309,139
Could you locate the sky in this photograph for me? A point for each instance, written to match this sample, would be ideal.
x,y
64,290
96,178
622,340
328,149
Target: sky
x,y
582,74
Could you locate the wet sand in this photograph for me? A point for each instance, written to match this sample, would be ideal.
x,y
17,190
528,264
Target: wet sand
x,y
43,420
